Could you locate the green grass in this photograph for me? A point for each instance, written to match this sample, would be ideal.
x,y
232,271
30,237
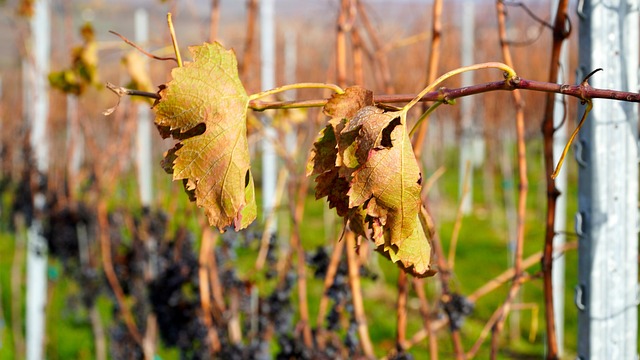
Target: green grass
x,y
481,254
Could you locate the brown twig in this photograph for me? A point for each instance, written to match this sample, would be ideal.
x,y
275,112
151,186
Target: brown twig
x,y
529,12
455,234
560,33
107,264
332,269
358,57
206,248
356,294
445,94
445,275
150,337
270,219
401,310
378,49
522,189
485,332
214,20
148,54
234,325
345,23
297,212
487,288
579,91
432,72
426,318
216,286
252,9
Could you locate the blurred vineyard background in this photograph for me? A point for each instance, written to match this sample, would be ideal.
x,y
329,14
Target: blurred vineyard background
x,y
92,187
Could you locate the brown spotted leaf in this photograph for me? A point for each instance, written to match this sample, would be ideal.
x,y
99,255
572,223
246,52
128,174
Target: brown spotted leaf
x,y
367,170
204,107
390,175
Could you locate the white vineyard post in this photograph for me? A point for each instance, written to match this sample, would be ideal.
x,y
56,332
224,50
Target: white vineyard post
x,y
607,154
38,98
143,133
267,80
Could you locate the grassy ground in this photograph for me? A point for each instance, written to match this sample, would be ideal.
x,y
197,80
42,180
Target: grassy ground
x,y
481,254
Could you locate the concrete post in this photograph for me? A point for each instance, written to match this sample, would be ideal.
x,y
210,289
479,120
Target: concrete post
x,y
607,154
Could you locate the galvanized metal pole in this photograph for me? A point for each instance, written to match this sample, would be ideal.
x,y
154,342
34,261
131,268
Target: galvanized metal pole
x,y
268,81
559,141
38,98
607,154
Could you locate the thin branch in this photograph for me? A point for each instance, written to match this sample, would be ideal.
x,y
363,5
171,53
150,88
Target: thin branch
x,y
485,289
148,54
401,310
107,264
378,49
426,318
296,86
445,275
329,278
206,247
252,9
522,189
358,57
529,12
214,19
122,91
432,73
270,219
356,294
344,26
296,205
560,34
443,94
459,214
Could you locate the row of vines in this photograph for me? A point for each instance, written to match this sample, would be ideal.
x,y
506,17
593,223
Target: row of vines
x,y
384,269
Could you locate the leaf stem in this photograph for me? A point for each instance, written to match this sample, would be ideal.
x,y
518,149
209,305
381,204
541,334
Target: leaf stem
x,y
573,136
510,74
174,40
283,88
424,116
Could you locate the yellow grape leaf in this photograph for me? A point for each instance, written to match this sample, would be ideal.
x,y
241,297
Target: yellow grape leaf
x,y
414,254
204,107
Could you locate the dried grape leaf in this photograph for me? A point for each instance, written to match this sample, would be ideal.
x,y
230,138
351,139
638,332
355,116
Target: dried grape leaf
x,y
346,105
367,170
83,71
213,162
390,175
